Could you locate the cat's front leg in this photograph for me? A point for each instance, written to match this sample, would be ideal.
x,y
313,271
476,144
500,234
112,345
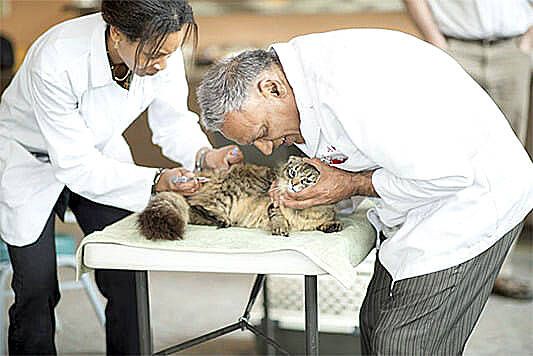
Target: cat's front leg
x,y
278,224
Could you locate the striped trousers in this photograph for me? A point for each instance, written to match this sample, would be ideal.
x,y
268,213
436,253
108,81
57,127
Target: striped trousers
x,y
432,314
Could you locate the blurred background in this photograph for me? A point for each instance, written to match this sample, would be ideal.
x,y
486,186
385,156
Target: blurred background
x,y
225,26
187,304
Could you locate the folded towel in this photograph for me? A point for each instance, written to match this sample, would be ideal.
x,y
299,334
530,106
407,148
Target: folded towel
x,y
337,253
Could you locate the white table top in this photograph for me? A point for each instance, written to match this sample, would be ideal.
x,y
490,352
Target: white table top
x,y
233,250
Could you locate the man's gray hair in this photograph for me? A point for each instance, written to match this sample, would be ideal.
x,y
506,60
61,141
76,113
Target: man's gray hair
x,y
226,85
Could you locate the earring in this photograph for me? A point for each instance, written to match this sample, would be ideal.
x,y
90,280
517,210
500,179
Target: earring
x,y
115,46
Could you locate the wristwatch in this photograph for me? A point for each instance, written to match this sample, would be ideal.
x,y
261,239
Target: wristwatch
x,y
199,164
157,177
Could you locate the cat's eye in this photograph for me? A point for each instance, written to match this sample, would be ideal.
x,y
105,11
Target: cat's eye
x,y
290,173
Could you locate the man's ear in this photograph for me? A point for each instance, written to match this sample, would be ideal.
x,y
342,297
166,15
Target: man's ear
x,y
271,88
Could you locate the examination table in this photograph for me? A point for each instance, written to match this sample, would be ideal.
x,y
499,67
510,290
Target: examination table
x,y
232,250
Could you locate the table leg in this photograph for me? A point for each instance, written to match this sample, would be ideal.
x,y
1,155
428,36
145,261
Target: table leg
x,y
143,312
311,316
267,323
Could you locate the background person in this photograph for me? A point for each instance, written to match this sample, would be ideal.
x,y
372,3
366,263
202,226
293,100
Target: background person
x,y
416,131
493,41
81,85
7,61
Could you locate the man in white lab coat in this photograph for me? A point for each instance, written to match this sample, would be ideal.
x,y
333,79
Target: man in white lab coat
x,y
493,41
81,84
385,114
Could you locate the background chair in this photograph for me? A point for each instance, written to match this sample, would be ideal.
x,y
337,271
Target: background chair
x,y
65,251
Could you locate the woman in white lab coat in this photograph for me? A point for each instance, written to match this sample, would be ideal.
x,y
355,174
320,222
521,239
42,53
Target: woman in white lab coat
x,y
81,85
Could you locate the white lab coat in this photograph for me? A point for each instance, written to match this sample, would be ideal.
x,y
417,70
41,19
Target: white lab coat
x,y
64,102
452,176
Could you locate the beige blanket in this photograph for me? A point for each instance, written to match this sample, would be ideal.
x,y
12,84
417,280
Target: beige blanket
x,y
336,253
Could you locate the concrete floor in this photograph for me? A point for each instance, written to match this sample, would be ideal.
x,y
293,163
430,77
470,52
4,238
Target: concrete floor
x,y
185,305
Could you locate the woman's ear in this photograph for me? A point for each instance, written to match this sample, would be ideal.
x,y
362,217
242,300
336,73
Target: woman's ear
x,y
115,34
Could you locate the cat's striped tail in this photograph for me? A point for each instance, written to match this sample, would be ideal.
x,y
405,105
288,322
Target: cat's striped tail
x,y
165,217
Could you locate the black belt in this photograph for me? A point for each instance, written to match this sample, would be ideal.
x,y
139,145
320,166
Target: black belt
x,y
483,41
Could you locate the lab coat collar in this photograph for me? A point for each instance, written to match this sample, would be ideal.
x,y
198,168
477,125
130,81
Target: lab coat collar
x,y
295,76
99,64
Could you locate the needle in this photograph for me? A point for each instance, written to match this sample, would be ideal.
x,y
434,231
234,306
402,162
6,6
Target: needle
x,y
183,179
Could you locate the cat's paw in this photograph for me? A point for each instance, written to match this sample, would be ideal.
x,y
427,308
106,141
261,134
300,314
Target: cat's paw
x,y
280,231
281,228
331,226
222,224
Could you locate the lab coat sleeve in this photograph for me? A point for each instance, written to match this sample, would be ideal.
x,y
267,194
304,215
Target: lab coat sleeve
x,y
406,194
175,129
73,153
424,154
417,167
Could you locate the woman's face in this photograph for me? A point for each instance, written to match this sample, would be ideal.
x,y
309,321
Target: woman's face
x,y
148,64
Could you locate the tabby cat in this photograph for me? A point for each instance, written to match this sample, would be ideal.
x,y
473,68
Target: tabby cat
x,y
239,197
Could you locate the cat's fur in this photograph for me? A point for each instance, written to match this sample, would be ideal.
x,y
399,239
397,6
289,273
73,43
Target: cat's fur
x,y
238,197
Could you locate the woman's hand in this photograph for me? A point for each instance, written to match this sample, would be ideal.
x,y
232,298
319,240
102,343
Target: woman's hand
x,y
333,186
223,157
187,188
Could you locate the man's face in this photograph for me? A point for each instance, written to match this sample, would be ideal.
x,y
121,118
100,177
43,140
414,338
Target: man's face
x,y
268,120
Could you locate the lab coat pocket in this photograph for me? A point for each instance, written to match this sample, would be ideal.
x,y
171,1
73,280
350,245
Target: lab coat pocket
x,y
22,175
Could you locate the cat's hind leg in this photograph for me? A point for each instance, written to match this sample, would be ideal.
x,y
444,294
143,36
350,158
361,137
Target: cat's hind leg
x,y
278,223
330,226
201,216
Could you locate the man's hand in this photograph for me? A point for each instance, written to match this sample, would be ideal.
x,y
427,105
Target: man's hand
x,y
422,16
223,157
333,186
526,42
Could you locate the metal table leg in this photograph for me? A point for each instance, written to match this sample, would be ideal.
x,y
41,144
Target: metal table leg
x,y
267,324
143,312
311,316
242,324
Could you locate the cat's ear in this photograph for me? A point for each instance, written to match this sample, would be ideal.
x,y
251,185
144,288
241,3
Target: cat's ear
x,y
295,159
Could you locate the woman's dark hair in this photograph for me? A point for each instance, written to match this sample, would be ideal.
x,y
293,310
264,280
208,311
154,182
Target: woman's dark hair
x,y
150,21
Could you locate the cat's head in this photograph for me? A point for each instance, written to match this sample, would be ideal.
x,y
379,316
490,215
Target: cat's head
x,y
296,175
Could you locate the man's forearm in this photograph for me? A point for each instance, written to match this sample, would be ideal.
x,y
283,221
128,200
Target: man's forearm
x,y
423,18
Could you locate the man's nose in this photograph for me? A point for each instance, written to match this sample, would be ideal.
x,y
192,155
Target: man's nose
x,y
264,146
